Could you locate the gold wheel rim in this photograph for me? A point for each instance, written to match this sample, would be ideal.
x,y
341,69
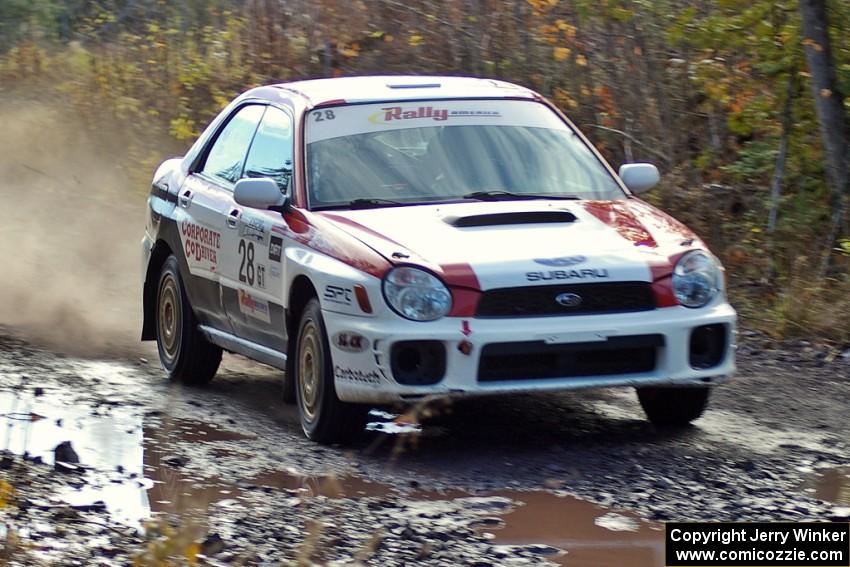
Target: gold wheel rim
x,y
169,318
309,371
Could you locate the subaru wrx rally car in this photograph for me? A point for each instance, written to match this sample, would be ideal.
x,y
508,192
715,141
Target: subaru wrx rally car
x,y
387,239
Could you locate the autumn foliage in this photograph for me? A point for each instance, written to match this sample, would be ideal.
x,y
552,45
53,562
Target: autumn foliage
x,y
716,93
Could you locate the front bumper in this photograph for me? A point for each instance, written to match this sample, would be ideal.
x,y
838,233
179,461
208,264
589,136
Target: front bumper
x,y
367,375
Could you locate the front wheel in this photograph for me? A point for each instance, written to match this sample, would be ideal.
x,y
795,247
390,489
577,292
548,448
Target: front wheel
x,y
673,407
184,351
324,418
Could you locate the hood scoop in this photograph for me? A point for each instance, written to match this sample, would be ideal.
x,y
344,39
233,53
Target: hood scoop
x,y
500,219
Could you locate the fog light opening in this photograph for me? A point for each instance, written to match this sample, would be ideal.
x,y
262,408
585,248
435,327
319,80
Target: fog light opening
x,y
707,346
418,363
409,359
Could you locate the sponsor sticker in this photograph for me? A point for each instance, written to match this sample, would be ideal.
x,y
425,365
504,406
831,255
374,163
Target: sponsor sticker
x,y
274,270
350,341
351,374
253,307
338,294
261,276
275,248
359,119
389,114
253,228
200,244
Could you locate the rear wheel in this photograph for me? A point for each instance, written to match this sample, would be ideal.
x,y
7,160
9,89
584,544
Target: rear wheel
x,y
184,351
674,406
324,418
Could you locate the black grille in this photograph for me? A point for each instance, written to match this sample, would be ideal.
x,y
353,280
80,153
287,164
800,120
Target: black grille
x,y
619,297
532,360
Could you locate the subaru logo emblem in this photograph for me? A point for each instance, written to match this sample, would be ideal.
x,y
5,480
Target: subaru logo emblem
x,y
568,299
561,262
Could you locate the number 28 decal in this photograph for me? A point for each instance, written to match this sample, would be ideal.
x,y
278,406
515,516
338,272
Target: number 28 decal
x,y
246,268
322,115
248,271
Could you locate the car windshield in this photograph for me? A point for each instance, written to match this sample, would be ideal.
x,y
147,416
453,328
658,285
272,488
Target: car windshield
x,y
418,152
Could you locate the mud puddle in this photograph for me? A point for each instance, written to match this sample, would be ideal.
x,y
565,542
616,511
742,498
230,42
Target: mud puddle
x,y
35,425
329,486
566,529
139,471
136,471
831,485
577,533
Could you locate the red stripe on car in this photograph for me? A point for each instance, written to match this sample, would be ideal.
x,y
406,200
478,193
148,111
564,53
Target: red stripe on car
x,y
465,288
302,229
618,216
662,280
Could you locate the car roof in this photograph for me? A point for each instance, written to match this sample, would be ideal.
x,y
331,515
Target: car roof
x,y
401,87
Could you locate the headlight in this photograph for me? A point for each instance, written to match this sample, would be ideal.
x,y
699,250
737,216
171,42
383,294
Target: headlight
x,y
415,294
696,279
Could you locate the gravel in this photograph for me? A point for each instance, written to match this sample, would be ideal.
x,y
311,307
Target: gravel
x,y
428,498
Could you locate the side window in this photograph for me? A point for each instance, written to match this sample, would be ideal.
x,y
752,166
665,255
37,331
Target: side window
x,y
228,152
271,152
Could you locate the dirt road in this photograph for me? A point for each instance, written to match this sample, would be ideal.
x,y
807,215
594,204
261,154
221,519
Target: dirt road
x,y
574,478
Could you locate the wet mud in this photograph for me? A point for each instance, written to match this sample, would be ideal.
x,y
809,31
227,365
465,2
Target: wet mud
x,y
144,479
832,485
577,479
585,535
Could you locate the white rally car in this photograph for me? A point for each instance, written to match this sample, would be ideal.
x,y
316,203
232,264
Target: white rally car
x,y
386,239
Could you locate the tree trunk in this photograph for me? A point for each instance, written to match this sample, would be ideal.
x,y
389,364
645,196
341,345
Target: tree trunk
x,y
779,170
829,104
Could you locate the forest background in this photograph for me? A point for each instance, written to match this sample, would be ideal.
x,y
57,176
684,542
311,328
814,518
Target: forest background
x,y
740,103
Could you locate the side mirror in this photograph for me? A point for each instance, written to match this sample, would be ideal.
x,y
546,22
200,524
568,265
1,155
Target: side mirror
x,y
259,193
639,177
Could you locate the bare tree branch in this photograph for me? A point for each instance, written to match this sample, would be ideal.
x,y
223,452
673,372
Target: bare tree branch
x,y
632,139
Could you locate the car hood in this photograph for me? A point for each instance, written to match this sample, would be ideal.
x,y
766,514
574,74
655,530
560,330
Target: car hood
x,y
487,245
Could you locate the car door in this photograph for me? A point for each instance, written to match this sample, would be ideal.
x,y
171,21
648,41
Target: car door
x,y
204,201
253,293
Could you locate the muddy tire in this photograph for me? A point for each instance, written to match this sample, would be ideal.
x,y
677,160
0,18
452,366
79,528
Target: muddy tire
x,y
673,407
184,352
324,418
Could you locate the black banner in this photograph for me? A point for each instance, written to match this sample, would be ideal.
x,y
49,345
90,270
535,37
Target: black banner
x,y
765,544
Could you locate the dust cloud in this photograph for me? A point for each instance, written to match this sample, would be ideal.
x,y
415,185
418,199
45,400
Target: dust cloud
x,y
70,233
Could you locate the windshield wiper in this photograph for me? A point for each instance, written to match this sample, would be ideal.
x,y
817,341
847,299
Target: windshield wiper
x,y
508,196
369,203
